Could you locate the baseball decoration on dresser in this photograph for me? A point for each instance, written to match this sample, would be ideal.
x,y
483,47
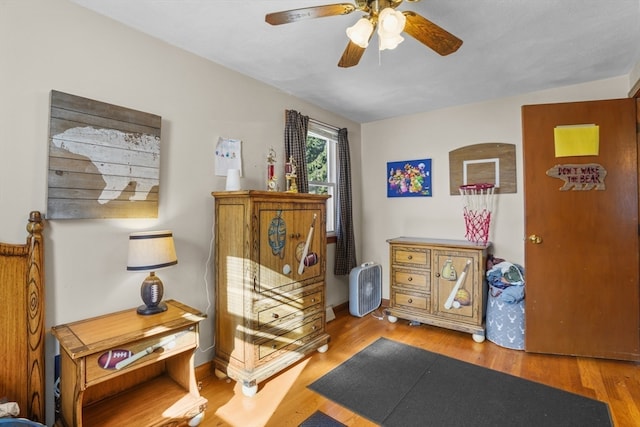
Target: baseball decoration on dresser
x,y
458,296
109,359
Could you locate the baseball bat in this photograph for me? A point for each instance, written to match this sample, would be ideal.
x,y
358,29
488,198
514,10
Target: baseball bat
x,y
305,251
449,302
139,355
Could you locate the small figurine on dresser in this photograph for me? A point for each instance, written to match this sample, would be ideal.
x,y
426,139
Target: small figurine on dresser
x,y
290,175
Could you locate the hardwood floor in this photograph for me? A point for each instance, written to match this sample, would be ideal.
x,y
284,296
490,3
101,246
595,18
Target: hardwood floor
x,y
285,400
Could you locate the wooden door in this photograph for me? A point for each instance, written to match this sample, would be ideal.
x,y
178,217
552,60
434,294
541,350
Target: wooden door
x,y
581,252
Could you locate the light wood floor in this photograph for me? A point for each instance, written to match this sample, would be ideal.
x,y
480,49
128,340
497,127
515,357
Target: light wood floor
x,y
285,400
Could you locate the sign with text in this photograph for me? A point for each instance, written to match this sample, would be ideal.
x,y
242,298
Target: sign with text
x,y
589,176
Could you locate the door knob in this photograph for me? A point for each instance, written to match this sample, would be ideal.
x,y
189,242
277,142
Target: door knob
x,y
535,239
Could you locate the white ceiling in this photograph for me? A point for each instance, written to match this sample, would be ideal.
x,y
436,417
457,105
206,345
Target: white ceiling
x,y
510,47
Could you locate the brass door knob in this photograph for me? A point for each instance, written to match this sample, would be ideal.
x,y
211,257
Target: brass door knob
x,y
535,239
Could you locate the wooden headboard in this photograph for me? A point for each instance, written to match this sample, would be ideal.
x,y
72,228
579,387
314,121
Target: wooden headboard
x,y
22,375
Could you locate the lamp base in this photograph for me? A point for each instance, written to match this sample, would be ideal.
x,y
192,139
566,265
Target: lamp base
x,y
151,292
146,310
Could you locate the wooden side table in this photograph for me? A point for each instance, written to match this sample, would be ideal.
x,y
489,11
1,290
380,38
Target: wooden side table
x,y
127,369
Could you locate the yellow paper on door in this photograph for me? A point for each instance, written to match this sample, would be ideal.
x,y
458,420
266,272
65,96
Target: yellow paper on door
x,y
577,140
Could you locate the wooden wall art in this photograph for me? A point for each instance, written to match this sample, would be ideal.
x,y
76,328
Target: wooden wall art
x,y
589,176
491,163
104,160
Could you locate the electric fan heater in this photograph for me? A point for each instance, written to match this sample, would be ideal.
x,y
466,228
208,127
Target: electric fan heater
x,y
365,288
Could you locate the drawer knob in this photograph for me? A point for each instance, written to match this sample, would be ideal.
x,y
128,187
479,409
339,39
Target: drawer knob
x,y
273,346
410,278
410,301
313,300
275,315
314,327
410,257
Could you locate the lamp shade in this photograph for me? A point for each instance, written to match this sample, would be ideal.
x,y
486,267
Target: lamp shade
x,y
151,250
390,42
391,24
360,32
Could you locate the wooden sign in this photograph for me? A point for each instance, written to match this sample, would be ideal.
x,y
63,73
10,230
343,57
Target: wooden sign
x,y
588,176
104,160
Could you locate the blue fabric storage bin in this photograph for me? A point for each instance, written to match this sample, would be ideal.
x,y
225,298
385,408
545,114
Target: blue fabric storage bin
x,y
505,324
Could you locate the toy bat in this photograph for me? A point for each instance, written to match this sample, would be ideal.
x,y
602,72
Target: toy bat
x,y
165,342
305,251
449,302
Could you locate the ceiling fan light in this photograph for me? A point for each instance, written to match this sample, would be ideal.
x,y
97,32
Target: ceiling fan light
x,y
391,21
360,32
390,42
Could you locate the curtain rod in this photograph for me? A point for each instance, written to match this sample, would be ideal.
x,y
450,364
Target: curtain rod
x,y
316,121
324,124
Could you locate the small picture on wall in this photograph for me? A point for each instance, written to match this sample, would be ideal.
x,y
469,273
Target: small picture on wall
x,y
410,178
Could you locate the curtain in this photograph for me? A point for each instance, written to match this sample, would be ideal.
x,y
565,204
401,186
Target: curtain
x,y
295,143
345,241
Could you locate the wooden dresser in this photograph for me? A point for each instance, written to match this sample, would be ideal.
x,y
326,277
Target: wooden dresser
x,y
269,291
439,282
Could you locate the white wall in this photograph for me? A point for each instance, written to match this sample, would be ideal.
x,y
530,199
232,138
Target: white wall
x,y
634,77
433,135
53,44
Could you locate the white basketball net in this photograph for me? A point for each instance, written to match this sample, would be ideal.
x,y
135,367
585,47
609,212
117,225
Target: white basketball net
x,y
477,202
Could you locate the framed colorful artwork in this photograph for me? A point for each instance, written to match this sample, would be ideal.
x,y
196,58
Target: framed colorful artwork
x,y
410,178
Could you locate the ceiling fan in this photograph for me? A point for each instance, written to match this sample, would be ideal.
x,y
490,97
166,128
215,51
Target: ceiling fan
x,y
381,14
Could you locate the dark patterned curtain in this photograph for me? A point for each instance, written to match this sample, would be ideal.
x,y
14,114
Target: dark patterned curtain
x,y
345,241
295,143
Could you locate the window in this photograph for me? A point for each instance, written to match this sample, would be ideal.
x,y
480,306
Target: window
x,y
322,166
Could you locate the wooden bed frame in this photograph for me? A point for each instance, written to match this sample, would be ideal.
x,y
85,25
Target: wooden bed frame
x,y
22,374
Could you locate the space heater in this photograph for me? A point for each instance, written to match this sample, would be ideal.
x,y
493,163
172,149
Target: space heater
x,y
365,288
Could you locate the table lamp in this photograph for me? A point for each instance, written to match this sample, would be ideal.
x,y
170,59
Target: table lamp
x,y
151,251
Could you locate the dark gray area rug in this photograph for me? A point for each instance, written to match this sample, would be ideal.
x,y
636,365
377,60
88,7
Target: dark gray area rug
x,y
397,385
320,419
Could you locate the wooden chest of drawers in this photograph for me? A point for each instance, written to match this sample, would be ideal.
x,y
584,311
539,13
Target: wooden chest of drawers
x,y
439,282
270,297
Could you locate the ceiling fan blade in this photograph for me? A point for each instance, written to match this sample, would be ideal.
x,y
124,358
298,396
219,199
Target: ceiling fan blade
x,y
351,55
294,15
428,33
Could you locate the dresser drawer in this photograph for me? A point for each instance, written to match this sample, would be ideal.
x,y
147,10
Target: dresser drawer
x,y
102,365
308,328
407,255
410,300
420,279
297,305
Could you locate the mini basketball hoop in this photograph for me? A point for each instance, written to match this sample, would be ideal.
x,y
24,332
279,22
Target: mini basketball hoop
x,y
477,203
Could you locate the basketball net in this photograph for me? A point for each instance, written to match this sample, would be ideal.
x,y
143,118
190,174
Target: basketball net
x,y
477,202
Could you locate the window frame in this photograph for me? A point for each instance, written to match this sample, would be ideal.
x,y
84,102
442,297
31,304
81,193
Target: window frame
x,y
330,135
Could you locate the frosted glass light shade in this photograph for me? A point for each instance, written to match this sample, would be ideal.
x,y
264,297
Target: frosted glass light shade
x,y
390,42
360,32
391,24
